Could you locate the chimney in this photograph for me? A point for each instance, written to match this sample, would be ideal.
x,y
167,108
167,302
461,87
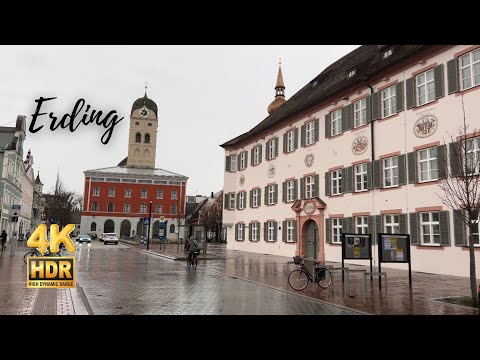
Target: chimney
x,y
211,195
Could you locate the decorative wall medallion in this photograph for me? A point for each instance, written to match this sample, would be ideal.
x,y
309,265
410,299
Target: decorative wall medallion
x,y
425,126
309,159
242,180
360,145
271,171
309,207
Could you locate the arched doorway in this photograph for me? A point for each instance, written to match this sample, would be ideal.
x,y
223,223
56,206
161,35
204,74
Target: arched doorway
x,y
155,229
125,228
310,234
93,226
140,228
109,226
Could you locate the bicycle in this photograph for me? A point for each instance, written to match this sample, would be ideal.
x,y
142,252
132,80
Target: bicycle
x,y
298,279
34,252
192,260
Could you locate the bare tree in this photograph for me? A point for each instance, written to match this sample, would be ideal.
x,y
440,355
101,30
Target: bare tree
x,y
461,189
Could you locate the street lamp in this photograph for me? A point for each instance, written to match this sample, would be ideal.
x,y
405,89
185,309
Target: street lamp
x,y
149,221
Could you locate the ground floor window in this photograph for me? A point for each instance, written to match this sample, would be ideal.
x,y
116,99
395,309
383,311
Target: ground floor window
x,y
337,230
430,228
391,223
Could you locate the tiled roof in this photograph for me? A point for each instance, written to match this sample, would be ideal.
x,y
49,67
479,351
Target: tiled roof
x,y
124,170
367,60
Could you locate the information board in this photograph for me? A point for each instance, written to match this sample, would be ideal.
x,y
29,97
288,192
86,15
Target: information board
x,y
394,248
356,246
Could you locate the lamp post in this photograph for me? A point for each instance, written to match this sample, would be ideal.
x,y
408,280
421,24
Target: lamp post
x,y
149,221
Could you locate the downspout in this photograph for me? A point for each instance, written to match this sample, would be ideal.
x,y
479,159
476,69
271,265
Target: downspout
x,y
372,146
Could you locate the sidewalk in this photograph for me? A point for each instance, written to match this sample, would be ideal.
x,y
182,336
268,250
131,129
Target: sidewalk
x,y
273,271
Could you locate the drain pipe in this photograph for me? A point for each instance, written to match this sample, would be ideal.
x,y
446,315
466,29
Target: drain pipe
x,y
372,145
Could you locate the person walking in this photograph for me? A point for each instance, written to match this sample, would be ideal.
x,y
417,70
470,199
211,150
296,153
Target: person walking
x,y
3,237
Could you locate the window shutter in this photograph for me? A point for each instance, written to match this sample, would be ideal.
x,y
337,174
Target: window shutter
x,y
328,232
442,161
455,149
378,228
251,156
327,126
369,108
302,188
371,227
251,198
238,202
227,163
295,189
303,132
284,191
349,113
344,119
459,228
225,204
266,150
285,143
452,75
375,105
250,231
439,82
348,179
327,184
295,231
444,228
399,96
275,230
260,155
410,85
246,159
345,223
412,167
369,175
344,181
317,129
350,225
236,231
403,224
284,231
275,194
276,146
317,186
295,136
266,195
259,196
265,231
377,178
414,228
402,173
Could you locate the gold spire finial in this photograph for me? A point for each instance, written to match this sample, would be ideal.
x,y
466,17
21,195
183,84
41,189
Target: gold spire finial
x,y
146,86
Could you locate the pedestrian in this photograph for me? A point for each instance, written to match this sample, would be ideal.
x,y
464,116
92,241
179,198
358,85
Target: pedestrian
x,y
3,237
185,247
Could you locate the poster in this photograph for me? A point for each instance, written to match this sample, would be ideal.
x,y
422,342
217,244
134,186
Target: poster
x,y
356,252
400,254
356,246
394,248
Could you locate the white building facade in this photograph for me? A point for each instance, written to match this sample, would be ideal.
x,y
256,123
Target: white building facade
x,y
357,150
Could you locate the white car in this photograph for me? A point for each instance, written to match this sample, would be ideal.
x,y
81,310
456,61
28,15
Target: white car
x,y
110,238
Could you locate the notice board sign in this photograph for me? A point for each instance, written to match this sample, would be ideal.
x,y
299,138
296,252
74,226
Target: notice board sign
x,y
356,246
394,248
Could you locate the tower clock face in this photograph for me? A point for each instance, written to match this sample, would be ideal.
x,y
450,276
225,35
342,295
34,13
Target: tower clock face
x,y
143,112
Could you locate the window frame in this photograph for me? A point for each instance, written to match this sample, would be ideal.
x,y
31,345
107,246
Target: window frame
x,y
393,223
230,199
290,141
157,207
127,208
429,160
233,163
309,186
241,232
143,208
128,192
425,85
95,206
470,66
241,200
290,190
144,193
271,234
431,224
475,151
363,177
310,133
336,182
255,197
256,155
96,191
391,170
173,209
159,194
111,192
386,96
173,195
337,225
271,195
362,224
254,231
360,113
242,163
290,231
336,117
271,149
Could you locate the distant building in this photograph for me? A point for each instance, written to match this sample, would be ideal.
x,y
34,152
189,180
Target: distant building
x,y
38,207
25,220
207,213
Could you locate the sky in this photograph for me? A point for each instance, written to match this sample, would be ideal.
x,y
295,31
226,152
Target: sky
x,y
206,95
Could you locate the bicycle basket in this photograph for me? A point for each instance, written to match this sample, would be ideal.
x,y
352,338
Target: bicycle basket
x,y
321,273
297,260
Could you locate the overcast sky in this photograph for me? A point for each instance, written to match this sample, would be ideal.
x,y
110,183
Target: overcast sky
x,y
206,95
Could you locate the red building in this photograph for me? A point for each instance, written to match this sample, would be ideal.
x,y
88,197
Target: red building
x,y
117,198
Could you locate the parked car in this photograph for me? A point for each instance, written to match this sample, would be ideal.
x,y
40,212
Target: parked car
x,y
84,238
110,238
93,235
102,236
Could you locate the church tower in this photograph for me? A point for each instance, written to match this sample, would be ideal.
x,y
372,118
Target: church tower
x,y
279,92
142,139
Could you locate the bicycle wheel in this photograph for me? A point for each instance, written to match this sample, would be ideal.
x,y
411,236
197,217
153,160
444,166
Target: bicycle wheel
x,y
298,280
29,253
194,263
324,278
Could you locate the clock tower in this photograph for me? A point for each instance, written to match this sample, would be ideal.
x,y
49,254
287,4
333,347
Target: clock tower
x,y
142,139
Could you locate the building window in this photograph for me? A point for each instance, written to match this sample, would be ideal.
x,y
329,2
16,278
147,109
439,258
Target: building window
x,y
137,123
390,172
360,112
241,231
241,200
310,133
96,191
290,231
271,194
110,207
149,124
427,164
470,69
242,162
158,209
430,228
336,182
160,194
147,138
143,208
128,192
290,190
111,192
231,205
138,138
387,53
95,206
391,224
271,231
173,195
309,187
476,239
361,177
256,155
336,122
361,225
144,193
290,141
126,208
425,83
271,149
172,229
337,230
389,101
255,198
351,73
254,231
472,147
173,209
93,227
233,163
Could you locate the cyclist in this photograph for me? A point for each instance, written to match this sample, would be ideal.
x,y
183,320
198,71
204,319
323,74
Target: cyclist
x,y
192,248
